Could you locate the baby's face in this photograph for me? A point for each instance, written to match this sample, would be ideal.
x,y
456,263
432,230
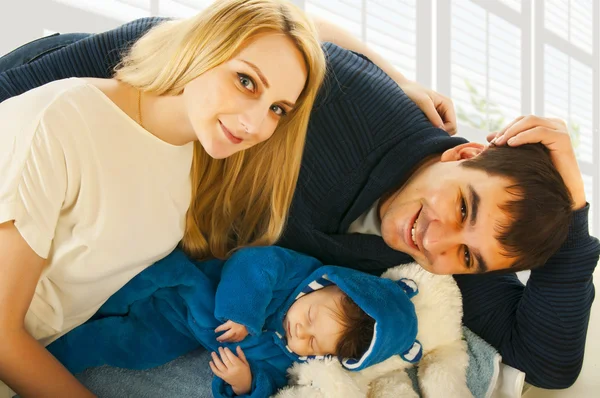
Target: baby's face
x,y
312,325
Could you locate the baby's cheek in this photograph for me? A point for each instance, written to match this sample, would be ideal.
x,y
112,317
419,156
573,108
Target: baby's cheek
x,y
295,348
291,345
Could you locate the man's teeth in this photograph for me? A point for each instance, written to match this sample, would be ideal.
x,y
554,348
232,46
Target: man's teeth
x,y
412,232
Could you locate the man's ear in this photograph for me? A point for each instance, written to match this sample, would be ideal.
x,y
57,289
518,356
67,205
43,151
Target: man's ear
x,y
462,152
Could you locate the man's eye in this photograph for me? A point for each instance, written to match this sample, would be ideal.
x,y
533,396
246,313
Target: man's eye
x,y
467,257
463,209
246,81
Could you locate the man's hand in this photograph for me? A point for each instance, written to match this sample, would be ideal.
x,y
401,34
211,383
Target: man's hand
x,y
235,332
438,108
234,370
554,134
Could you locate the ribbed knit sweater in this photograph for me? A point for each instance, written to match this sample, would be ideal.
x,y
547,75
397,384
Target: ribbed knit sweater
x,y
365,136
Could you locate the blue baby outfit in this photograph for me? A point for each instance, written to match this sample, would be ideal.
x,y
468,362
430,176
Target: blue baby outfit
x,y
174,306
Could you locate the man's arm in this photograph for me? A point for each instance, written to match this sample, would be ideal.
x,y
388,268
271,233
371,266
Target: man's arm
x,y
438,108
93,56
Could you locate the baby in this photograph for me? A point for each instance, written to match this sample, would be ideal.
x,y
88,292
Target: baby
x,y
324,322
269,306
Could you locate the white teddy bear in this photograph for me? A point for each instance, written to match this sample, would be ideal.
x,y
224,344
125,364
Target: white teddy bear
x,y
441,370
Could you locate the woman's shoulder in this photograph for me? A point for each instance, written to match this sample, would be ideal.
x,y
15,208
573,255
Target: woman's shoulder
x,y
27,109
59,109
40,98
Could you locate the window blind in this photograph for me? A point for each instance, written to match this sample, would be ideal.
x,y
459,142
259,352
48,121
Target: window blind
x,y
485,67
570,20
388,27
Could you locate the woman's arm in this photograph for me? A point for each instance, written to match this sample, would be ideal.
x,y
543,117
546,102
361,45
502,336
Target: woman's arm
x,y
438,108
25,365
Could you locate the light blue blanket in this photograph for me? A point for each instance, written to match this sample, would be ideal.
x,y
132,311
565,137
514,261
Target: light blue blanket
x,y
190,376
482,372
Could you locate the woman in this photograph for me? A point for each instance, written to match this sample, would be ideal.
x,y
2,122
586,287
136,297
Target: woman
x,y
96,172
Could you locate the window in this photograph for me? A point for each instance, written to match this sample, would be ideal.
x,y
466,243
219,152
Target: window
x,y
120,10
567,49
126,10
180,8
568,94
570,20
485,68
514,4
389,27
391,31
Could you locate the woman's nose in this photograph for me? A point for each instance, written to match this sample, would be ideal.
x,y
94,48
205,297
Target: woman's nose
x,y
253,118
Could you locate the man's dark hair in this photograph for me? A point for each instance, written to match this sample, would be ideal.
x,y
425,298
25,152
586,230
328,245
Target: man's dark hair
x,y
540,211
358,329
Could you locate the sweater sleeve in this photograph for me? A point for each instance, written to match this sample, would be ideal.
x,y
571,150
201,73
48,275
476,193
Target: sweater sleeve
x,y
539,328
93,56
251,277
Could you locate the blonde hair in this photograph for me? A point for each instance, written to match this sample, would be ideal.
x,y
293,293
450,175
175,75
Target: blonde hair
x,y
242,200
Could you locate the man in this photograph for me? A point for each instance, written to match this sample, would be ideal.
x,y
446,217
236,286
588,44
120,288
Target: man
x,y
375,169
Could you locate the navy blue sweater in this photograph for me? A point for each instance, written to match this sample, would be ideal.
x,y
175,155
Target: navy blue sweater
x,y
365,136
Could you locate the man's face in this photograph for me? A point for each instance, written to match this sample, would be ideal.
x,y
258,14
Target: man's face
x,y
446,216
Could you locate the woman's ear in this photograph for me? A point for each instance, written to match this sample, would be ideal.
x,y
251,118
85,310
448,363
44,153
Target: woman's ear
x,y
462,152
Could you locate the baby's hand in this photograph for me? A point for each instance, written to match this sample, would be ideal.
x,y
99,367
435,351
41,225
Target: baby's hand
x,y
235,332
233,370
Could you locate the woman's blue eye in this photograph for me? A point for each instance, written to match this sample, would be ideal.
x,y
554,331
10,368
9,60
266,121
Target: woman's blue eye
x,y
246,81
279,111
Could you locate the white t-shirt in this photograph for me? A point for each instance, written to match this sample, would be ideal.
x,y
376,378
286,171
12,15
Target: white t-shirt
x,y
368,223
90,190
